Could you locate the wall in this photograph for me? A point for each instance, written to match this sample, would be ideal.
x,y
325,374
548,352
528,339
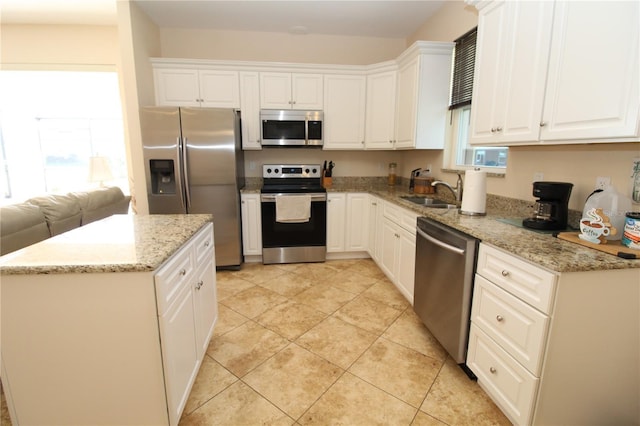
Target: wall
x,y
277,47
59,47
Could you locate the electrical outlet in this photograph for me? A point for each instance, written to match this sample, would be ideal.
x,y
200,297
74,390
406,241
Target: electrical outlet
x,y
428,169
538,176
252,165
602,182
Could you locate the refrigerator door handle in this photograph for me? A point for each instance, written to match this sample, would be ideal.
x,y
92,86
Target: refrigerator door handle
x,y
179,153
185,171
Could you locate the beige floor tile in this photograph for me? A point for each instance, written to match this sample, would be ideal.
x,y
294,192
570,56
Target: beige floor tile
x,y
455,399
337,341
423,419
258,273
228,319
324,297
290,319
316,271
253,301
351,281
237,405
384,291
368,314
211,380
293,379
352,401
245,347
367,267
229,285
408,330
403,372
288,284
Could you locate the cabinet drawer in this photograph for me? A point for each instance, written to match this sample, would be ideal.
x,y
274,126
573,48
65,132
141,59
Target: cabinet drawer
x,y
510,385
173,276
520,278
402,217
514,325
203,244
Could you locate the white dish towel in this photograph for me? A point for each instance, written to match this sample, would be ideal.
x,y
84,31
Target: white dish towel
x,y
293,208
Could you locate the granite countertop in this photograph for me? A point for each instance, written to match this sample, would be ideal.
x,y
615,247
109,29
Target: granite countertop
x,y
120,243
543,249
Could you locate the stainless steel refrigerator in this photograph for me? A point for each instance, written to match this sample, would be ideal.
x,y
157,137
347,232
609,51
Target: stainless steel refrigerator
x,y
194,164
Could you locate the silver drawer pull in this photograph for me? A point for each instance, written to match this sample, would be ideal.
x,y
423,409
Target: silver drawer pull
x,y
492,370
499,318
206,244
505,273
200,283
183,272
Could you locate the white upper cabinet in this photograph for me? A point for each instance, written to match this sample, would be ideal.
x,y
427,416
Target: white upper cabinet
x,y
344,111
250,112
510,71
592,85
291,91
556,72
201,88
381,107
422,96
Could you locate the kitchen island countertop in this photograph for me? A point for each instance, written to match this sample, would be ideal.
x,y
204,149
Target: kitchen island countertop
x,y
544,250
119,243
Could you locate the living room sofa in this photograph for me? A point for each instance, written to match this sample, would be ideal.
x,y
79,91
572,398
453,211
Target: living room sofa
x,y
43,217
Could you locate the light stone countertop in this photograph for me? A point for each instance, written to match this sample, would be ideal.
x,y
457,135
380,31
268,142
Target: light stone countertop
x,y
119,243
541,249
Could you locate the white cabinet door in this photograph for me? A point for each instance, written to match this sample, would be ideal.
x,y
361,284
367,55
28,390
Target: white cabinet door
x,y
357,222
592,85
510,71
389,248
406,263
206,306
179,351
251,224
375,223
336,211
219,89
177,87
290,91
344,111
406,104
250,109
380,114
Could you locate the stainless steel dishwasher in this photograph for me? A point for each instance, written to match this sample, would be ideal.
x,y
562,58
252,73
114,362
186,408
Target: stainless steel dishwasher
x,y
445,265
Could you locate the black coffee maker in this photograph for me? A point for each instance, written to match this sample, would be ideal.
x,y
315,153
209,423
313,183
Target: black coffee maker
x,y
552,207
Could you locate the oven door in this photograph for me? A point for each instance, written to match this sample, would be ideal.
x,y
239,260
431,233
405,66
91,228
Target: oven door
x,y
294,242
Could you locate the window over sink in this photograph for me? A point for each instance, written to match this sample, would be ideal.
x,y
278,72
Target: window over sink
x,y
460,154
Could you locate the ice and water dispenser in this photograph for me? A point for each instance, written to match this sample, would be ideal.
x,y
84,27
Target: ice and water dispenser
x,y
163,177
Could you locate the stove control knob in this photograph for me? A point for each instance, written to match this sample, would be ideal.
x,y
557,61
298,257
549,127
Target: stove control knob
x,y
315,171
277,171
306,171
269,171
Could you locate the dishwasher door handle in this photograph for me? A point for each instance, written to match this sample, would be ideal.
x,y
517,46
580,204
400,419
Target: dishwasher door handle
x,y
440,243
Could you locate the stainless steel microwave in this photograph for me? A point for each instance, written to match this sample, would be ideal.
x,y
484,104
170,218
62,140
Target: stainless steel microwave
x,y
291,128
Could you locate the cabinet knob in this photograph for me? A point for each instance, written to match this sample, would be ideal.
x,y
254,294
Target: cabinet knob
x,y
505,273
200,283
183,272
492,370
499,318
206,244
498,129
362,142
493,130
543,123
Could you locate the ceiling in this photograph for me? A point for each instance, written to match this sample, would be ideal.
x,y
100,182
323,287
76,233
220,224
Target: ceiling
x,y
378,18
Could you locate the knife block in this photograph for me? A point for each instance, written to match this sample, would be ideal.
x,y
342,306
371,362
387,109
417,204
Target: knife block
x,y
327,182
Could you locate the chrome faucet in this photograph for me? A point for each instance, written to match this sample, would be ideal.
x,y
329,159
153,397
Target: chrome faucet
x,y
457,191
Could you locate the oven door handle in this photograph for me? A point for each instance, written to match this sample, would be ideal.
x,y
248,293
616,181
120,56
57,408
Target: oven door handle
x,y
271,198
439,243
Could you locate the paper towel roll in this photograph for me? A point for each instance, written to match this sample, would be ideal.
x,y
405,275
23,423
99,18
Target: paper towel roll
x,y
474,196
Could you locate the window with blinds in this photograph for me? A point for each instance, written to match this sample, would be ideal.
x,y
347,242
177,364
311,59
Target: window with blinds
x,y
463,63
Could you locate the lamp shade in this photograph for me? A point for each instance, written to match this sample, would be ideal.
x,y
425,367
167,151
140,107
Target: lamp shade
x,y
99,169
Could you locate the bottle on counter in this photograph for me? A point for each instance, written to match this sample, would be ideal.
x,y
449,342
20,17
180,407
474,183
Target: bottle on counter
x,y
392,174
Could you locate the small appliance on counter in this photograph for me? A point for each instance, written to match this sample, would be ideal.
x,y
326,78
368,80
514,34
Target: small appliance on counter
x,y
552,206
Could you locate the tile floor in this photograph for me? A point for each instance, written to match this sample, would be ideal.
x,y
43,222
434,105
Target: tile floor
x,y
329,343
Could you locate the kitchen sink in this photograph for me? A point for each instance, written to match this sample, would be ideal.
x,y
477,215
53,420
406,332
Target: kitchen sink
x,y
429,202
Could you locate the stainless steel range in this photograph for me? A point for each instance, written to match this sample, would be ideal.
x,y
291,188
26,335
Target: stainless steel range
x,y
294,214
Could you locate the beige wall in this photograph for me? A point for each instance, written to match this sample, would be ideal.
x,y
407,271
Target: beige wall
x,y
139,40
277,47
58,47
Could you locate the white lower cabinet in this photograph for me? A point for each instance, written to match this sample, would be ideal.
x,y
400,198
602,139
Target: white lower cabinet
x,y
347,222
375,227
336,211
398,247
553,348
251,224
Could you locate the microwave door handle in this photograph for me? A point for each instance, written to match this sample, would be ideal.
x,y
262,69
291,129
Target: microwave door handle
x,y
306,130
